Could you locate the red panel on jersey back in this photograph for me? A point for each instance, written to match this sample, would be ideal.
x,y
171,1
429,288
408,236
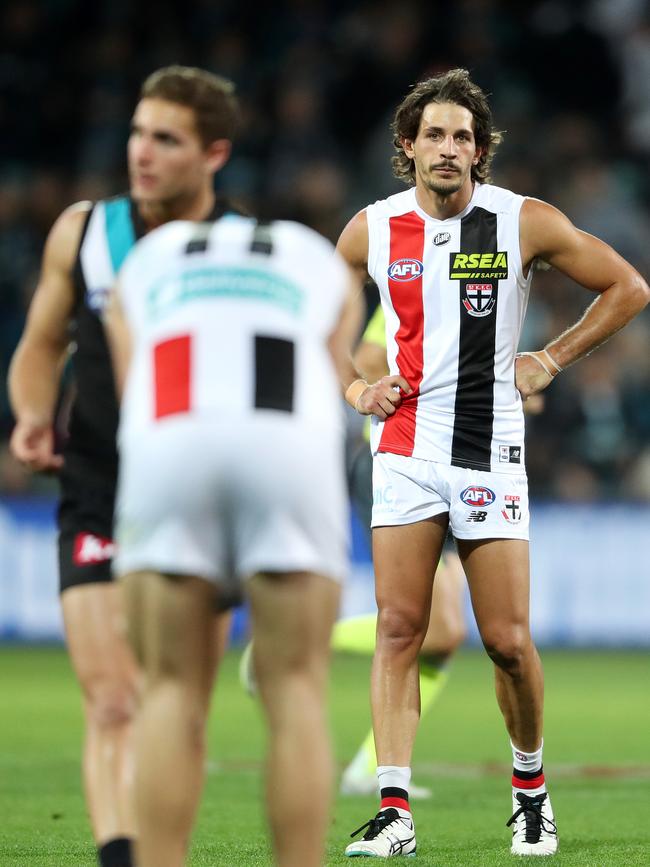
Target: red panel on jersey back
x,y
172,375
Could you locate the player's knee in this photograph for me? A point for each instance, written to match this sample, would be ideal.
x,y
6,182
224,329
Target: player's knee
x,y
111,703
400,628
507,648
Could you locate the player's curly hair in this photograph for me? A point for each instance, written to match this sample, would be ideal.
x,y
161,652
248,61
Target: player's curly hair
x,y
454,86
212,97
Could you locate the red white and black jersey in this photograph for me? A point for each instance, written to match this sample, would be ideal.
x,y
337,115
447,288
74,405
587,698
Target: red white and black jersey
x,y
454,296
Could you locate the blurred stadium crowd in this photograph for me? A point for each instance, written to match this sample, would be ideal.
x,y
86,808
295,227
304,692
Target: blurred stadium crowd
x,y
319,80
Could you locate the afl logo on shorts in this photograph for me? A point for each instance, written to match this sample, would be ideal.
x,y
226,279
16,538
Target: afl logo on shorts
x,y
477,496
404,270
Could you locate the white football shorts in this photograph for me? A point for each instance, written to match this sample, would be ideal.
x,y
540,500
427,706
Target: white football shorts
x,y
481,504
224,501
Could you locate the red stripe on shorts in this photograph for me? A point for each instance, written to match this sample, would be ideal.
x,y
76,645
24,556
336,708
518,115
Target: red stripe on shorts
x,y
535,783
172,376
406,243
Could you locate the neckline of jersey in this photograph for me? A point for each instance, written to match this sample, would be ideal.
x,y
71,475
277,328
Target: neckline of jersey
x,y
459,216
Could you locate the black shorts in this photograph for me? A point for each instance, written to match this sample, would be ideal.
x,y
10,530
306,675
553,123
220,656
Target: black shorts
x,y
85,520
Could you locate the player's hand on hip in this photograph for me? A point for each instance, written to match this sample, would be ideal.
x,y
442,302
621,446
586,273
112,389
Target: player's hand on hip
x,y
532,374
33,445
383,397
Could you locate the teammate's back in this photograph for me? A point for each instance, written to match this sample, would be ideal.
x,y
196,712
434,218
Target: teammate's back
x,y
229,318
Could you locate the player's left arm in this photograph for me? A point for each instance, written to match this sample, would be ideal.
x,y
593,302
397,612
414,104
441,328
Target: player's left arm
x,y
547,234
119,339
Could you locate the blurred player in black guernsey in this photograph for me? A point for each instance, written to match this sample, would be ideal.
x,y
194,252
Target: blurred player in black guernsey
x,y
181,134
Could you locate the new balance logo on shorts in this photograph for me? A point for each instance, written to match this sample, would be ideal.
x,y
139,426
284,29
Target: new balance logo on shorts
x,y
476,517
89,549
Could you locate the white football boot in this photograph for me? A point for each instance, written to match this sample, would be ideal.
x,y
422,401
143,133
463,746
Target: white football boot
x,y
534,830
391,833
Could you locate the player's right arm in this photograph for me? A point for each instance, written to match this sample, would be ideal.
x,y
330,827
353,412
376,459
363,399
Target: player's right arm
x,y
382,397
35,370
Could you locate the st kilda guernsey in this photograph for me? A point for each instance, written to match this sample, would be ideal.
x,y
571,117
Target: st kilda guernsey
x,y
455,296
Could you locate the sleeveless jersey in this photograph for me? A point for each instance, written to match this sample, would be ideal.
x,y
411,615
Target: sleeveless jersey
x,y
111,229
454,297
230,319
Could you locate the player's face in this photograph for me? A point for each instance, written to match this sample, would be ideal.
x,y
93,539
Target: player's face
x,y
444,149
167,159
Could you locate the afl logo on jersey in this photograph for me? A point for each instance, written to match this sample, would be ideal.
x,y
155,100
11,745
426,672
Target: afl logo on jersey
x,y
442,238
404,270
478,496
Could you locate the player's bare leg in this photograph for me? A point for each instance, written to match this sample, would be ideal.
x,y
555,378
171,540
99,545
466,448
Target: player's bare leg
x,y
171,624
94,621
293,616
405,559
445,633
498,575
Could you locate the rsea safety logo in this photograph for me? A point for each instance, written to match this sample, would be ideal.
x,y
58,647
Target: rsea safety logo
x,y
404,270
478,266
477,495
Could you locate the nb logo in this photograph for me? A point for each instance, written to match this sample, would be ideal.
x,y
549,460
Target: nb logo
x,y
476,517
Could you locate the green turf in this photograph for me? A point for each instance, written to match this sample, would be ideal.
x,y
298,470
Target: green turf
x,y
597,762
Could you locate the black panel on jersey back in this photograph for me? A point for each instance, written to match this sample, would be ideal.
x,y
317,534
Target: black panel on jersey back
x,y
262,240
198,243
474,408
274,373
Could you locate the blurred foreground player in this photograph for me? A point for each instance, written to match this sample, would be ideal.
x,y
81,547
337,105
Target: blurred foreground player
x,y
181,135
231,469
452,258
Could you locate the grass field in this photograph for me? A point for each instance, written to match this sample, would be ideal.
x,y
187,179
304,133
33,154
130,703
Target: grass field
x,y
597,763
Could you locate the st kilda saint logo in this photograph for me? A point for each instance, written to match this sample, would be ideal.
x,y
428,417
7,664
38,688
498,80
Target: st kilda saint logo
x,y
512,510
479,299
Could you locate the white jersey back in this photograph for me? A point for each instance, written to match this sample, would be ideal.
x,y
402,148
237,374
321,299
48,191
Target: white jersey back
x,y
230,319
454,295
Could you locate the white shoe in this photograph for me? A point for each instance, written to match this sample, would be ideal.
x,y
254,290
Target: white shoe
x,y
355,782
534,831
247,679
390,833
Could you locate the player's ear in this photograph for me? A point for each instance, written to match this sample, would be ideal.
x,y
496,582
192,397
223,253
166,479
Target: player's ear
x,y
217,154
478,153
407,145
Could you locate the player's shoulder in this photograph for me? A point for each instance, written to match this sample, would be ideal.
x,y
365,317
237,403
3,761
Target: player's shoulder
x,y
498,199
291,231
65,235
393,205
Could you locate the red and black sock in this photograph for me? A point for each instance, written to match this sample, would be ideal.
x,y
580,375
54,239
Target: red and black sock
x,y
529,782
391,796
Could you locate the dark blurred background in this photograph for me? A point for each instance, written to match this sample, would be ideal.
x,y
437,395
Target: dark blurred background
x,y
319,81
